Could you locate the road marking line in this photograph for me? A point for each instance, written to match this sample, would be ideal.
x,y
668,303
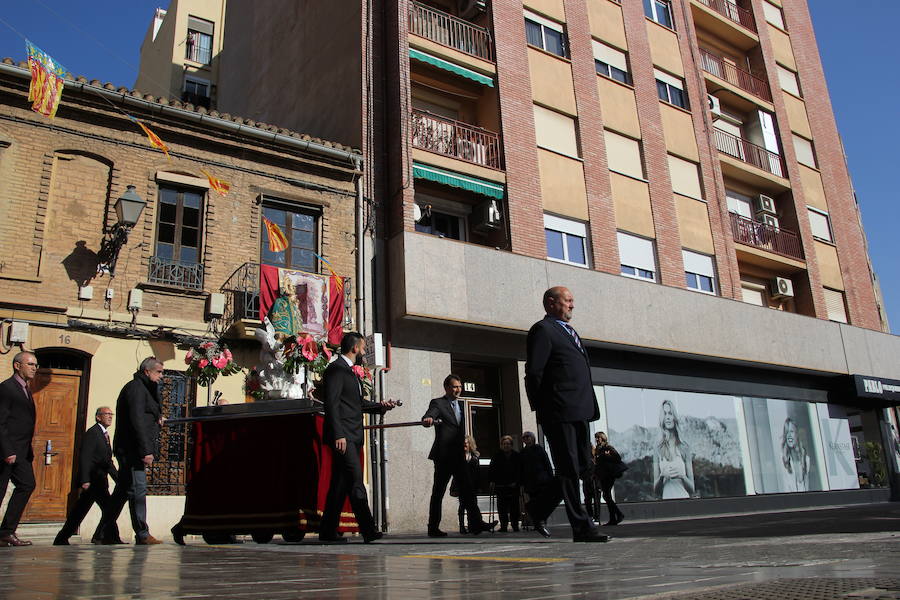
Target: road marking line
x,y
488,558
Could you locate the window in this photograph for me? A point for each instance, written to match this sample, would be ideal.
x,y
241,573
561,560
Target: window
x,y
555,131
198,45
545,34
659,11
739,204
820,224
168,474
804,150
685,177
178,227
442,225
623,155
788,81
670,89
773,15
699,272
611,63
301,228
637,257
753,293
836,306
196,91
566,240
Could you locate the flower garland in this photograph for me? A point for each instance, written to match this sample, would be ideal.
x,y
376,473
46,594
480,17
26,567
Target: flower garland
x,y
207,361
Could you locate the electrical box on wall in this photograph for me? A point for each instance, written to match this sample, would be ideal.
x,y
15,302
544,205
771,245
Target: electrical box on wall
x,y
18,332
215,305
86,292
135,299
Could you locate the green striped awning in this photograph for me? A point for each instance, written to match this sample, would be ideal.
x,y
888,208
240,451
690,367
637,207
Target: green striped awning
x,y
440,63
458,180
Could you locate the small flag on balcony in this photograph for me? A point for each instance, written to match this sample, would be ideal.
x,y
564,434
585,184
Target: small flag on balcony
x,y
47,80
219,185
277,241
337,279
154,139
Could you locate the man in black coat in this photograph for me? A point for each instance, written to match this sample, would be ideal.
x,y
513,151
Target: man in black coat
x,y
344,406
559,388
538,482
135,445
95,465
17,419
448,454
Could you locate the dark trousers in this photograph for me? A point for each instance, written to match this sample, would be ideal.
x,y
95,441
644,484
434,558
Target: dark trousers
x,y
443,471
591,501
97,493
131,488
508,506
22,476
606,486
346,479
570,447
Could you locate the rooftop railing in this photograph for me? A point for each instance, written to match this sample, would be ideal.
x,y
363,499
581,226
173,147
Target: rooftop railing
x,y
453,32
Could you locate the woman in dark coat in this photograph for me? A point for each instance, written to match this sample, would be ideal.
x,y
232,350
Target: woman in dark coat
x,y
605,460
504,476
472,471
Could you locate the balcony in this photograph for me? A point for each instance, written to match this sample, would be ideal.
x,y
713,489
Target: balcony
x,y
749,152
175,273
716,65
454,139
732,12
196,99
450,31
765,237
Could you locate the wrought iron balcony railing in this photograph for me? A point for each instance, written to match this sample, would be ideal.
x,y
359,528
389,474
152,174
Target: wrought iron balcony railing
x,y
450,31
765,237
176,273
452,138
716,65
242,293
732,12
749,152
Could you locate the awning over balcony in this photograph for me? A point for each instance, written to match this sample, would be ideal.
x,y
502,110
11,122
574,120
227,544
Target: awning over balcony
x,y
458,180
446,65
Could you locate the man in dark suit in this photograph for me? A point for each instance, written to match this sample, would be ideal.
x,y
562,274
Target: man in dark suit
x,y
448,454
17,418
135,445
95,465
344,406
559,388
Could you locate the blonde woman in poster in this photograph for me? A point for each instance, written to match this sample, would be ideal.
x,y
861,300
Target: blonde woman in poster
x,y
673,470
794,459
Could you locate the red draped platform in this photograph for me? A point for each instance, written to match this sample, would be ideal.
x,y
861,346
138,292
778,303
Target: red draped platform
x,y
260,474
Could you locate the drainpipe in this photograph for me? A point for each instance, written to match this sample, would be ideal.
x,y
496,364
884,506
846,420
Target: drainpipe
x,y
360,248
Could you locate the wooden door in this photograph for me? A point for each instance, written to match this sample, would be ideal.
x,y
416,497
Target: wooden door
x,y
55,394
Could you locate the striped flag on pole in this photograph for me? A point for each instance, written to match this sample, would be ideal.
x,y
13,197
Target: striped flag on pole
x,y
277,241
154,139
219,185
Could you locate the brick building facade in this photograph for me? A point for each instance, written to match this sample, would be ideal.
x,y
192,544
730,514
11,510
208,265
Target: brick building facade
x,y
191,248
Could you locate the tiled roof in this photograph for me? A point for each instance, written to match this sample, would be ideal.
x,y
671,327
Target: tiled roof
x,y
175,103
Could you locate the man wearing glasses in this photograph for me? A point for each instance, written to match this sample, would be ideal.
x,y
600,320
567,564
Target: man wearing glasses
x,y
17,417
94,465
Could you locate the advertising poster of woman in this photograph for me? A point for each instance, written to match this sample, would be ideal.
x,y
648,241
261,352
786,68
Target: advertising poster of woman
x,y
676,444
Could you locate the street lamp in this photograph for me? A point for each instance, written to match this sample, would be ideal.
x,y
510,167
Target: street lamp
x,y
128,212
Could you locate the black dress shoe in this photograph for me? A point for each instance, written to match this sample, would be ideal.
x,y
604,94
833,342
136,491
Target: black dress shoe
x,y
435,532
13,540
590,536
332,539
372,537
620,518
61,541
610,523
541,528
478,528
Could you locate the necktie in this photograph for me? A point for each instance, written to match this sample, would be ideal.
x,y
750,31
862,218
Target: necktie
x,y
106,436
455,406
574,335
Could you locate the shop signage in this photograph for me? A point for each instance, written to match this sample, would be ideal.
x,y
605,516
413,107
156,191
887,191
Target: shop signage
x,y
876,387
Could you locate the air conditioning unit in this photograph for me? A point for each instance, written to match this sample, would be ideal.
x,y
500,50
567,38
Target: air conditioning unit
x,y
487,216
715,106
764,204
782,287
768,219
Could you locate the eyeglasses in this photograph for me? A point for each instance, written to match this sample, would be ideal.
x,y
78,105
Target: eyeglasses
x,y
29,364
107,414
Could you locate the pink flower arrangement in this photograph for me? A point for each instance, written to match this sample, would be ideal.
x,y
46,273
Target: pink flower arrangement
x,y
303,350
207,361
365,379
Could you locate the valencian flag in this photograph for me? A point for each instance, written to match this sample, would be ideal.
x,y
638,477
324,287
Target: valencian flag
x,y
154,139
47,80
277,241
337,279
219,185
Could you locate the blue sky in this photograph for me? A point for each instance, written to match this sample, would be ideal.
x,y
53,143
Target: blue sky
x,y
101,40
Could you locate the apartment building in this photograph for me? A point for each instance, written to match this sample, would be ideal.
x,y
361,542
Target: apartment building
x,y
92,293
676,164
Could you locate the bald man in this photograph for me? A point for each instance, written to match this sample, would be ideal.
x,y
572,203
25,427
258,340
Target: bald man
x,y
17,418
559,388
